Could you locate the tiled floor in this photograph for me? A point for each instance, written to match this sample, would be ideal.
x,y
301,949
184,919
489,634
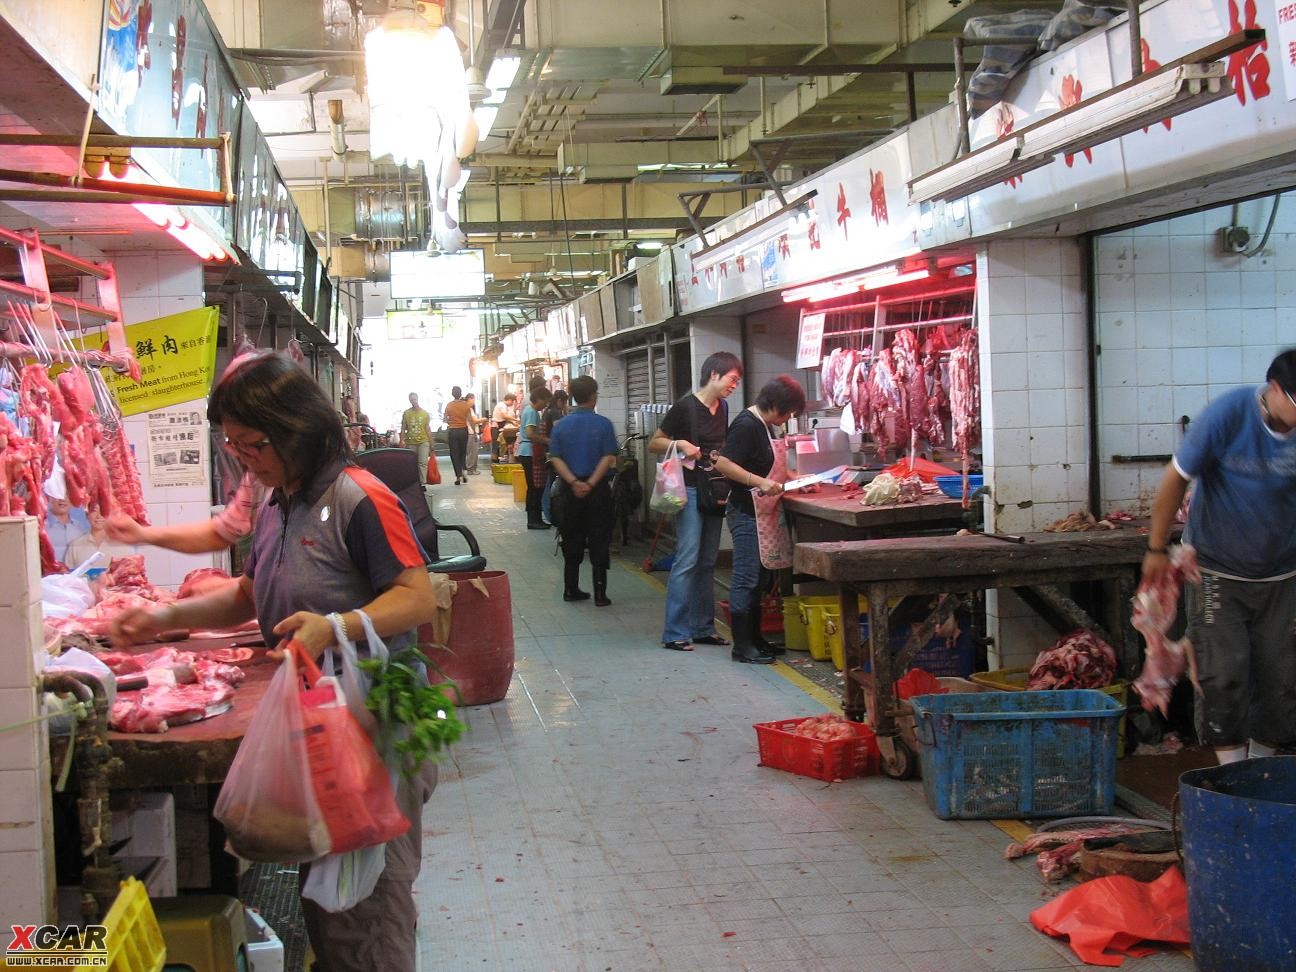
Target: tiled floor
x,y
609,814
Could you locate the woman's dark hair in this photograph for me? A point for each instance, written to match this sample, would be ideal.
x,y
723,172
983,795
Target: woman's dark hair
x,y
720,363
1283,370
456,392
783,394
269,392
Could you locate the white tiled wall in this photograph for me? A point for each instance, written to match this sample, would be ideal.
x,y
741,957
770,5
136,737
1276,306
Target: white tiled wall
x,y
155,285
26,841
770,342
1179,321
1034,409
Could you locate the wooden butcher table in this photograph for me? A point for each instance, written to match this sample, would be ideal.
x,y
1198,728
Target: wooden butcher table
x,y
923,566
832,514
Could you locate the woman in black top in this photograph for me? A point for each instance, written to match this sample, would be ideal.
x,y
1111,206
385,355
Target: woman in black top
x,y
696,426
748,460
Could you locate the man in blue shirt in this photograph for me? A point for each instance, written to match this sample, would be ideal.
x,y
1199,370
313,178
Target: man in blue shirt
x,y
1241,454
583,449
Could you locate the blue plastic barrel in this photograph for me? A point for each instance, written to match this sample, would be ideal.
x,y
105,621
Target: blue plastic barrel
x,y
1238,823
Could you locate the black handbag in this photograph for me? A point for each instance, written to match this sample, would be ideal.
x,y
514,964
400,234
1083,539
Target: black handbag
x,y
712,485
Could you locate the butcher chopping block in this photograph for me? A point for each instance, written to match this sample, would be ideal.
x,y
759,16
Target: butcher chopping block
x,y
196,753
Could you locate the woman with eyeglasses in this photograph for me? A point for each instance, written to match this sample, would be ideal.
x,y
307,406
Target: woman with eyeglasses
x,y
330,539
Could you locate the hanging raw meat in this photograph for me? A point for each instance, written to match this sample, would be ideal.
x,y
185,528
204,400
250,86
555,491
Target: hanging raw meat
x,y
1156,605
842,377
965,393
859,394
125,477
913,385
38,401
885,400
937,399
22,493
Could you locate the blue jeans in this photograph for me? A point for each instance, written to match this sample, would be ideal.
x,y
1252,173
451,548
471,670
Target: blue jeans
x,y
546,498
690,592
746,561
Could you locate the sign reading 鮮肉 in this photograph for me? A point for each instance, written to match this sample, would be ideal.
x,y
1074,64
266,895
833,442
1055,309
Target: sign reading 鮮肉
x,y
177,358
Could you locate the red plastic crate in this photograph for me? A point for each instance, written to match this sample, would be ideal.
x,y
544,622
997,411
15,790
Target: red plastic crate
x,y
841,759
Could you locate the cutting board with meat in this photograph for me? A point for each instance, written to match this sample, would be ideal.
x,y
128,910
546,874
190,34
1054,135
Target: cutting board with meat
x,y
173,687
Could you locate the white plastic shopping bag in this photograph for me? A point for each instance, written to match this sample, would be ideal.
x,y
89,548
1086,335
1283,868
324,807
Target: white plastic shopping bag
x,y
669,494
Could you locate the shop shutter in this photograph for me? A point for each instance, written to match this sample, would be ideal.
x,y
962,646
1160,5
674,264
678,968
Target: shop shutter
x,y
661,389
637,390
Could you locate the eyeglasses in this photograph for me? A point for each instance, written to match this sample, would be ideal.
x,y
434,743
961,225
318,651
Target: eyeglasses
x,y
247,449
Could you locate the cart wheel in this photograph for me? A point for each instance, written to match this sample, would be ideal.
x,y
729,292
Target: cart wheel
x,y
905,763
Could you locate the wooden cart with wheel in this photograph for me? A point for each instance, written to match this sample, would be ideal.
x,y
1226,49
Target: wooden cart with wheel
x,y
1034,566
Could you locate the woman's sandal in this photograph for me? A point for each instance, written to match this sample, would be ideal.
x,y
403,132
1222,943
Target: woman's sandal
x,y
677,646
712,639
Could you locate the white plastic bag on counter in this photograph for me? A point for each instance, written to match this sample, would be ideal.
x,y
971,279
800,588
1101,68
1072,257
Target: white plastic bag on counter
x,y
65,596
76,660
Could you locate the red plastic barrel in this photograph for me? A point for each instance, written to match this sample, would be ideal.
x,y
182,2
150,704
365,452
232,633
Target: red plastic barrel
x,y
479,655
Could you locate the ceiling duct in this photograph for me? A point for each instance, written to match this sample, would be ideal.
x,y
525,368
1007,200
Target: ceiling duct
x,y
681,80
389,215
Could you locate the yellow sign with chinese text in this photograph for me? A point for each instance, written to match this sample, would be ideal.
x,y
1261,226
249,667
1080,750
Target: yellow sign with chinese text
x,y
177,358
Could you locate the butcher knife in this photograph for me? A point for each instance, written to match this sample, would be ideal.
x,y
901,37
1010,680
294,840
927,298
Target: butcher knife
x,y
197,715
810,480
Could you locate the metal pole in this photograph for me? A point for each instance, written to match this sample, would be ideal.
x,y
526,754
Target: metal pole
x,y
960,93
1136,39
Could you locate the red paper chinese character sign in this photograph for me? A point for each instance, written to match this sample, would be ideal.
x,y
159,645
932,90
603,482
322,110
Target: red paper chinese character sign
x,y
1004,122
877,198
784,246
1072,94
1248,68
812,234
741,261
843,210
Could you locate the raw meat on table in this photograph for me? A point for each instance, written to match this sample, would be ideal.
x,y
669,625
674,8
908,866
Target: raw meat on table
x,y
200,581
153,709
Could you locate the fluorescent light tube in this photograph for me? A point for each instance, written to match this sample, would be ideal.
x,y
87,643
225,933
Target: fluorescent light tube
x,y
1126,108
983,168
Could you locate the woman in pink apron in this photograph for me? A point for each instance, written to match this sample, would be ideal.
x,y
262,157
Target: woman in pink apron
x,y
756,463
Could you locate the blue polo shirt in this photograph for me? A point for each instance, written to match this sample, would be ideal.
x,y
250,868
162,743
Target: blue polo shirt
x,y
581,439
530,417
1242,518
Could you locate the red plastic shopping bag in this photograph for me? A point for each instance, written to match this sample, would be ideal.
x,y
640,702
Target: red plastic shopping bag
x,y
1117,913
433,471
267,803
351,784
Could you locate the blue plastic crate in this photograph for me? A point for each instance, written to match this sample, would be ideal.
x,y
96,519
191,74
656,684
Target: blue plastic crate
x,y
1018,754
952,486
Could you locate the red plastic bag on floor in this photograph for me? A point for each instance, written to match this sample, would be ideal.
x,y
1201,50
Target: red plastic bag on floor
x,y
352,786
1117,913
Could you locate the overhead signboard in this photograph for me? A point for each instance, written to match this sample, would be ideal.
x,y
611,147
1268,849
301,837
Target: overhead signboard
x,y
418,275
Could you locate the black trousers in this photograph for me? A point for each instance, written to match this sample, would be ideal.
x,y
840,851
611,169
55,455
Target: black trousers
x,y
458,440
585,524
533,492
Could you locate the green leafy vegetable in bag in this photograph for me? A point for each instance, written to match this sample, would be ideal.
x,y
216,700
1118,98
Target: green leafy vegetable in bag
x,y
415,719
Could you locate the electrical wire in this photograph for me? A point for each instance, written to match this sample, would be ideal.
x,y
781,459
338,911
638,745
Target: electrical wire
x,y
1273,215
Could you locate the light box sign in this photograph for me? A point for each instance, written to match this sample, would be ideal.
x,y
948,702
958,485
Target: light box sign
x,y
417,275
414,325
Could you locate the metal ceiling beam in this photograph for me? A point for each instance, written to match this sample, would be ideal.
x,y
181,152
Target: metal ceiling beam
x,y
646,224
828,70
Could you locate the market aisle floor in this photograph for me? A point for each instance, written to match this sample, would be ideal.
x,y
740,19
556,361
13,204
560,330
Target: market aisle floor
x,y
610,814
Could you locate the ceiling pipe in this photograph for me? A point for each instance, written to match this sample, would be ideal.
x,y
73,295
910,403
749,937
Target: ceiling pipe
x,y
337,128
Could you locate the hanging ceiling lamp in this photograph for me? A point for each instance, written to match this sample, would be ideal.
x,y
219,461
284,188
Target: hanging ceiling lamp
x,y
419,112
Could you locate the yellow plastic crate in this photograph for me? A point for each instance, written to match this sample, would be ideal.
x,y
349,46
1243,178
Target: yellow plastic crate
x,y
134,938
502,472
519,485
794,624
821,615
1014,680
